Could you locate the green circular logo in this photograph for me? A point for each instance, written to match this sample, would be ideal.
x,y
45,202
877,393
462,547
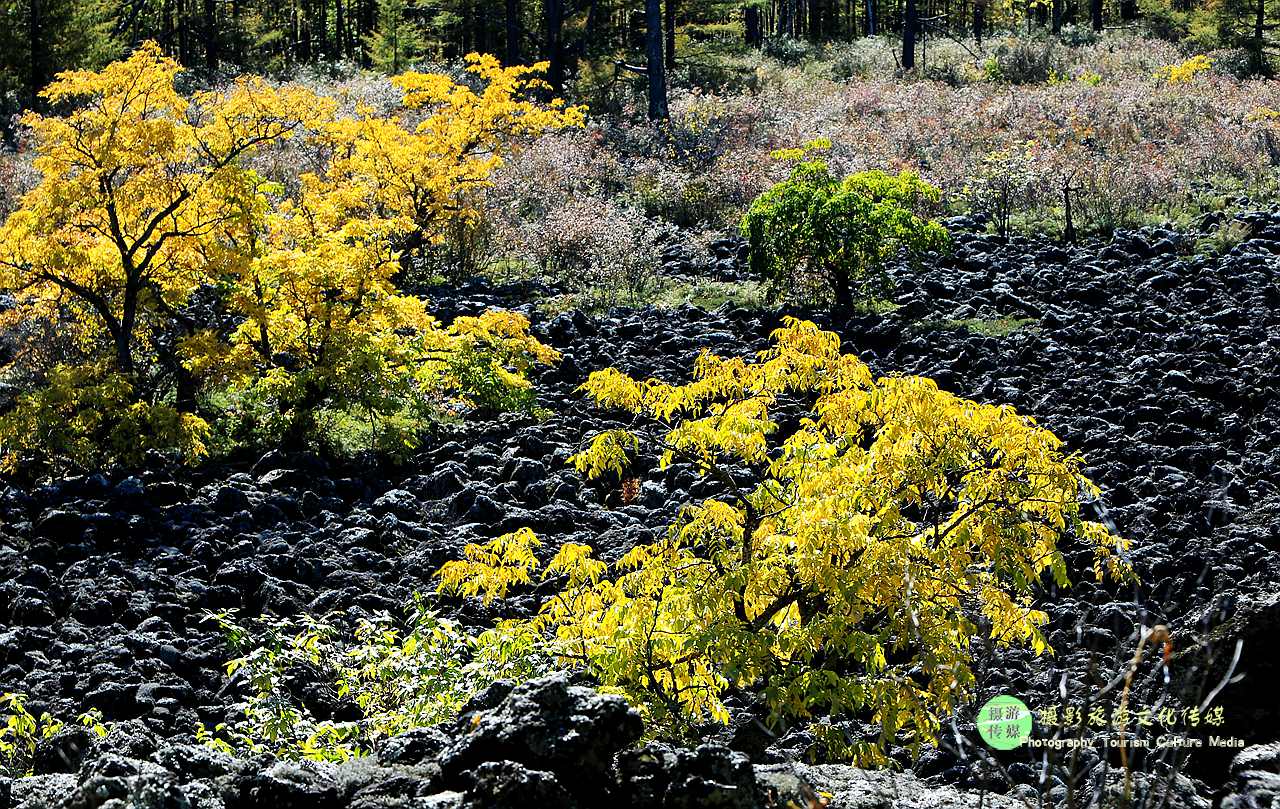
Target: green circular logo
x,y
1004,722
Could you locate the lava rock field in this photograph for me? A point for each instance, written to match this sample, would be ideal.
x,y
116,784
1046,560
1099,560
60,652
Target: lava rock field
x,y
1159,365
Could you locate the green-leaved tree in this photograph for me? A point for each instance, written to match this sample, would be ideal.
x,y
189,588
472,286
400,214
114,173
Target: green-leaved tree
x,y
815,229
397,40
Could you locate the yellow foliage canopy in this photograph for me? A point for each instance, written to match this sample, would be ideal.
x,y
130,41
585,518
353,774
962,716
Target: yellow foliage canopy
x,y
143,195
851,576
147,196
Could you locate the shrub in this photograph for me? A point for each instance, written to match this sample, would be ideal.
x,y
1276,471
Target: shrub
x,y
396,678
697,132
20,734
676,197
844,566
595,246
1186,71
1020,60
141,197
1163,139
1002,187
416,166
16,178
860,59
380,377
467,248
87,418
1164,21
788,50
839,233
22,730
147,197
1075,36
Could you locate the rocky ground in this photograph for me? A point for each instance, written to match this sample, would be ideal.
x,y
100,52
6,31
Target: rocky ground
x,y
1157,364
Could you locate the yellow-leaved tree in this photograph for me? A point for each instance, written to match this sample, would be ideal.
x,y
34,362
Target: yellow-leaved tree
x,y
180,273
143,197
326,324
421,163
845,567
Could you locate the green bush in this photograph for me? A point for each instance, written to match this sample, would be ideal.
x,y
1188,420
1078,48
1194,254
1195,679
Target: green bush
x,y
789,50
86,418
836,237
398,676
1002,188
1163,21
1021,60
1077,36
21,731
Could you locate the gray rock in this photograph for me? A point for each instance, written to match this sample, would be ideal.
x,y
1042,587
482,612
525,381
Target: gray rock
x,y
508,785
414,747
42,791
1256,778
400,503
293,785
851,788
546,724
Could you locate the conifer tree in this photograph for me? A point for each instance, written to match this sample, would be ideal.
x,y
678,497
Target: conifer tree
x,y
398,40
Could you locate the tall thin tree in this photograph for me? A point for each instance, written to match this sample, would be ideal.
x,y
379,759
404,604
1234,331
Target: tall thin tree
x,y
655,57
512,28
910,22
553,11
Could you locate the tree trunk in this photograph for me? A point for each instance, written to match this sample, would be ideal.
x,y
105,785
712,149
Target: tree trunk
x,y
340,30
166,26
840,286
210,21
186,387
555,44
1258,49
871,18
1069,230
752,26
909,23
302,422
368,16
124,334
513,32
481,39
1095,14
35,52
236,29
324,46
979,20
1057,16
655,68
593,23
669,24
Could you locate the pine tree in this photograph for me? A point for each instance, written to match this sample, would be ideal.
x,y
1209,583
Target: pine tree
x,y
397,40
39,38
1249,25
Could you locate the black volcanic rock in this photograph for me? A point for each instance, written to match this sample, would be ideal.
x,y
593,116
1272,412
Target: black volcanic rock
x,y
660,777
1158,366
546,724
